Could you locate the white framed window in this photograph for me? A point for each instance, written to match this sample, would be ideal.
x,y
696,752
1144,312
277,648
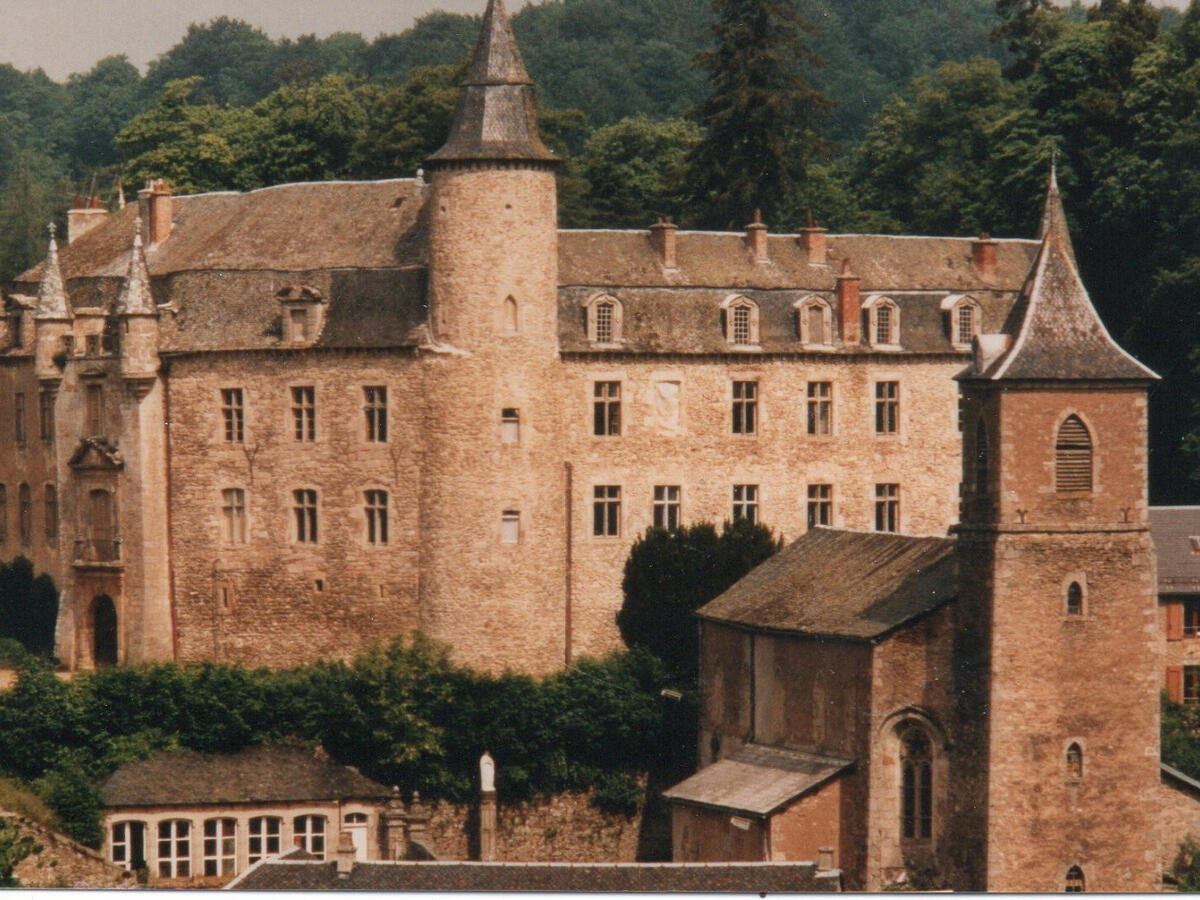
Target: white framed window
x,y
814,321
740,315
376,508
127,845
510,527
376,413
309,833
304,514
233,516
510,425
604,319
667,506
174,848
220,847
264,837
883,321
964,319
745,502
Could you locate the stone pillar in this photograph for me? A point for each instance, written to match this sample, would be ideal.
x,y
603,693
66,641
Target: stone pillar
x,y
418,842
394,826
487,808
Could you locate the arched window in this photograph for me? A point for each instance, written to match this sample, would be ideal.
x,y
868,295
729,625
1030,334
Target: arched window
x,y
604,319
1074,880
740,316
1074,599
981,458
916,784
814,321
1073,456
510,315
1075,761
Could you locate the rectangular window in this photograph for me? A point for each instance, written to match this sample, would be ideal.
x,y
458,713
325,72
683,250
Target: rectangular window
x,y
745,407
666,506
220,847
299,322
606,510
309,832
510,527
741,324
820,407
606,408
46,416
820,504
94,410
3,512
745,502
118,846
1191,617
25,512
264,837
604,323
883,324
174,848
887,507
305,511
377,517
51,512
233,411
19,419
816,325
304,413
887,407
375,409
91,344
510,426
233,516
1191,684
965,324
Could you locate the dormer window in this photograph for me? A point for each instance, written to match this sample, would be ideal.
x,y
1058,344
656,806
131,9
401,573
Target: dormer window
x,y
298,322
303,306
604,319
814,321
740,316
964,318
883,321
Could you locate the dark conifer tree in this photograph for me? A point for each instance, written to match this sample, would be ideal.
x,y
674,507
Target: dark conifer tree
x,y
761,117
1026,29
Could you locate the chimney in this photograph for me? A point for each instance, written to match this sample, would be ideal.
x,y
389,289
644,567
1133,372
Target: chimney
x,y
394,826
849,307
812,239
155,200
756,237
662,239
983,256
345,854
83,216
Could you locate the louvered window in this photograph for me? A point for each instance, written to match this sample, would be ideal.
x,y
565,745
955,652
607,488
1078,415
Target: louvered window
x,y
1073,457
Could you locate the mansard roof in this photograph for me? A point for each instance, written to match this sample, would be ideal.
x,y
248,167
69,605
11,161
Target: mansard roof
x,y
264,774
1060,335
496,118
839,583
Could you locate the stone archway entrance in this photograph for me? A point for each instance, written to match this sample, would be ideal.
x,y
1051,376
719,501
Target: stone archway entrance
x,y
104,631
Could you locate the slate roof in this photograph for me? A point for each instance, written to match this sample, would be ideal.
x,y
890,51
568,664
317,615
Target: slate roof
x,y
850,584
264,774
1060,336
757,780
1054,217
276,874
1172,529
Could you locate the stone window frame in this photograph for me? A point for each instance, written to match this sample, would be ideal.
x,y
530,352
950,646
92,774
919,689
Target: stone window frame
x,y
745,412
1078,579
818,504
510,316
510,426
257,829
233,524
887,507
1074,758
302,413
668,506
606,510
375,413
510,526
50,501
818,409
747,502
730,326
233,415
46,399
1065,452
955,305
305,525
376,516
871,307
216,852
1073,881
887,406
176,834
887,779
803,309
595,321
605,404
308,836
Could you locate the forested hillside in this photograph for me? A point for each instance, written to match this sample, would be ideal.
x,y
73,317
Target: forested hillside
x,y
942,116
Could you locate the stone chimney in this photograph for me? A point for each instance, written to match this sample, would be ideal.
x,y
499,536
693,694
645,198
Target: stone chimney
x,y
756,237
156,210
345,854
849,306
662,239
812,239
83,216
394,826
983,256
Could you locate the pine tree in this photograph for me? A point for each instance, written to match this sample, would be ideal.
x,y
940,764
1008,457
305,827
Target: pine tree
x,y
761,117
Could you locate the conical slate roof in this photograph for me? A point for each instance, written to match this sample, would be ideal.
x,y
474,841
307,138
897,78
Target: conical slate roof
x,y
52,295
496,119
135,298
1054,216
1061,337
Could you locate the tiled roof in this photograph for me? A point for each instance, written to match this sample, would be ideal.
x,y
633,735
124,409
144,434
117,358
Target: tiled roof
x,y
747,878
843,583
757,779
1173,529
1060,336
257,774
1054,217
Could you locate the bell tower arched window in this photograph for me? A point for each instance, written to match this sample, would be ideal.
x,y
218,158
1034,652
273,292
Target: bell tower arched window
x,y
1074,761
916,784
1073,456
1074,599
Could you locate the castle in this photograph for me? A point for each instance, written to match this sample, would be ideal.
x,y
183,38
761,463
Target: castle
x,y
282,425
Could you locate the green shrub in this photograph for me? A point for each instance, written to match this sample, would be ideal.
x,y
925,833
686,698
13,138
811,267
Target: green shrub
x,y
75,800
618,793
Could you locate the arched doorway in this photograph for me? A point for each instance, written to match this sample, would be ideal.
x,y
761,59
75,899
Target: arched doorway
x,y
104,631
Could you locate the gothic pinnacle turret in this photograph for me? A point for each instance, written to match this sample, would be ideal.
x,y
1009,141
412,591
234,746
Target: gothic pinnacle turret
x,y
52,295
496,119
135,298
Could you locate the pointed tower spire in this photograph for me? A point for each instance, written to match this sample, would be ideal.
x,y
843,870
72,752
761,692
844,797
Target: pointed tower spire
x,y
496,119
52,295
135,298
1054,217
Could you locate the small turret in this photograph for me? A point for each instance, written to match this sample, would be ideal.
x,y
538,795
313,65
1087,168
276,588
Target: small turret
x,y
52,319
138,322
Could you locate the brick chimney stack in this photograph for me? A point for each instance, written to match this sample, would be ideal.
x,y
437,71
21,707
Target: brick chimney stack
x,y
812,239
756,237
157,210
662,239
983,255
849,306
83,216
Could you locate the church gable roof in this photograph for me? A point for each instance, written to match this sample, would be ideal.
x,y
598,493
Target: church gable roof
x,y
1061,336
842,583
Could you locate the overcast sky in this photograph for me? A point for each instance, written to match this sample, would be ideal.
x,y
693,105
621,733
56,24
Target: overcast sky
x,y
65,36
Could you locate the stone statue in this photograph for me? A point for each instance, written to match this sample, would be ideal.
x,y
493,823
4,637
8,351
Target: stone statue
x,y
487,773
